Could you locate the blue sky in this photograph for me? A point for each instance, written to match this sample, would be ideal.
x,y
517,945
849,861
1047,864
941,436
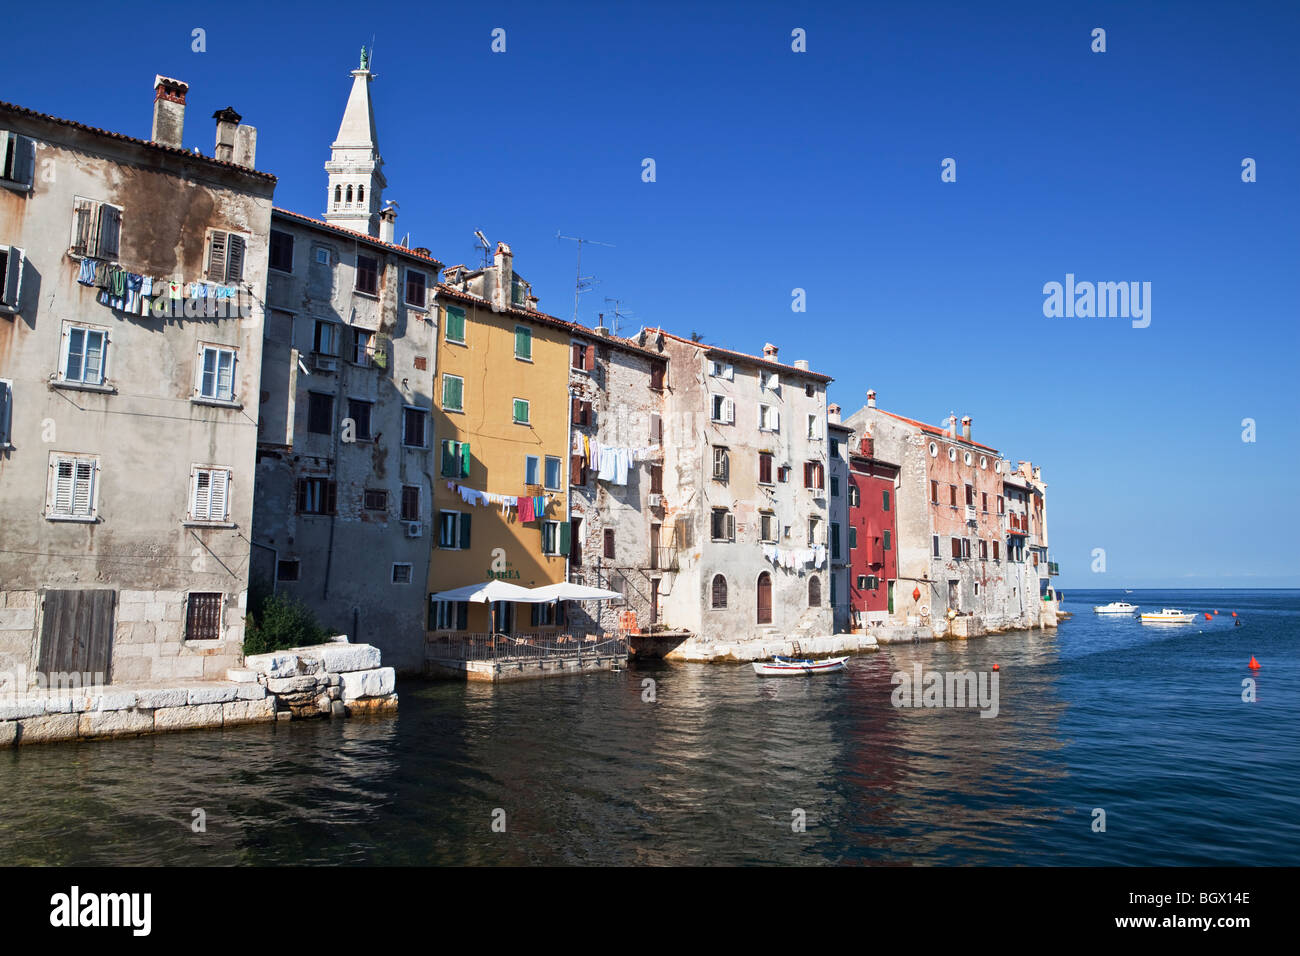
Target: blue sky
x,y
821,171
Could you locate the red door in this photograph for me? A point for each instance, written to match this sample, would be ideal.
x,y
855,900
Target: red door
x,y
765,598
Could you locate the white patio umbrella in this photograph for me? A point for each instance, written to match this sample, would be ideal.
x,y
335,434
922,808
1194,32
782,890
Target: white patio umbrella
x,y
566,591
491,592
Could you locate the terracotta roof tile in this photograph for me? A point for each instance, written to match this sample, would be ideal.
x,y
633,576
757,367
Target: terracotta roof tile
x,y
755,359
358,236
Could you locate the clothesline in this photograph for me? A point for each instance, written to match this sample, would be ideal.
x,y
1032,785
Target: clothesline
x,y
133,293
795,559
529,507
613,462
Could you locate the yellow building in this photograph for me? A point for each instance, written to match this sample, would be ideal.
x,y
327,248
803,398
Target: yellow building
x,y
501,433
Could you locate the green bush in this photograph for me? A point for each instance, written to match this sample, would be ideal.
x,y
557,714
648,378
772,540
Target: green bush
x,y
277,621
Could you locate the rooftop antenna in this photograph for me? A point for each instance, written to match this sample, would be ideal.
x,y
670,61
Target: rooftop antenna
x,y
484,249
619,314
582,283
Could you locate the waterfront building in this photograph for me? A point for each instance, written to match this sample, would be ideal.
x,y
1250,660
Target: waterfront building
x,y
501,427
745,501
873,545
132,274
838,436
617,394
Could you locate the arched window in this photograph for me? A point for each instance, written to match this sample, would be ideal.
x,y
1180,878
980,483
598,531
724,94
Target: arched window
x,y
361,195
854,496
349,195
719,591
814,591
338,195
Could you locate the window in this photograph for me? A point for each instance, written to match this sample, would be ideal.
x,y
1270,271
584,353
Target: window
x,y
769,419
11,278
656,479
956,548
455,459
656,428
934,492
521,411
73,487
455,325
225,256
724,410
453,530
769,380
814,427
281,258
862,582
854,496
889,540
552,473
765,468
721,463
84,352
542,615
984,550
316,496
359,412
322,255
17,158
580,412
719,589
609,543
835,540
217,373
375,499
209,494
814,531
835,487
884,501
414,424
363,348
416,285
1001,505
550,537
995,551
453,393
814,475
835,453
723,525
783,474
288,569
952,495
965,549
853,537
367,278
721,370
810,390
657,377
584,357
934,545
401,573
203,616
410,503
523,343
326,341
970,496
767,526
6,413
984,502
450,615
532,470
320,413
814,591
97,229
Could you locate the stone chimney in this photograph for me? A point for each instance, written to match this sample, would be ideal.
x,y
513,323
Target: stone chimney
x,y
965,427
169,111
387,224
246,146
227,123
801,364
833,413
871,398
769,352
503,269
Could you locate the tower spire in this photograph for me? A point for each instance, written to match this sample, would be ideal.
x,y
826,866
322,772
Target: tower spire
x,y
355,169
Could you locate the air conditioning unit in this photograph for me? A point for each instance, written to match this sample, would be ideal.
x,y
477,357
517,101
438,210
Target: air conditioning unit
x,y
325,363
414,529
655,501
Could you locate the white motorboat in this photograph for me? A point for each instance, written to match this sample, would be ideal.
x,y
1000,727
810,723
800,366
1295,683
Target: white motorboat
x,y
1168,615
791,667
1116,607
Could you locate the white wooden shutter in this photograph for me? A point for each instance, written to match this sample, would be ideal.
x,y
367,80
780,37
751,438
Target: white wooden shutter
x,y
234,258
201,494
731,526
729,411
220,494
5,138
63,481
776,420
217,257
83,494
656,428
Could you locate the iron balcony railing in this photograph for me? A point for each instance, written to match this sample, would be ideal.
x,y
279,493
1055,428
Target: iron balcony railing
x,y
571,644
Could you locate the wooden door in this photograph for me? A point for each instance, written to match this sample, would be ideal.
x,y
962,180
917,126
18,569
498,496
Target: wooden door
x,y
77,631
765,598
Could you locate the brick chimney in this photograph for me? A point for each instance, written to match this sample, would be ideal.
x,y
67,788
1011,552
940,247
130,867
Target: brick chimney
x,y
965,427
871,398
387,224
769,352
169,111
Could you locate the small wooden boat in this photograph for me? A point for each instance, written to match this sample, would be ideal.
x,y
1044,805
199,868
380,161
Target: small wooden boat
x,y
795,667
1168,615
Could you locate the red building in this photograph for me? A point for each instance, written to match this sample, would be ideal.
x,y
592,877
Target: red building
x,y
872,534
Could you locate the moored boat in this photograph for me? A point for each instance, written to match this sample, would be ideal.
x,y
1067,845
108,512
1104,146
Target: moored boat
x,y
1115,607
794,667
1168,615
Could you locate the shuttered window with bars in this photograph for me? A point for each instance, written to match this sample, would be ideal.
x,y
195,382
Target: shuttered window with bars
x,y
203,616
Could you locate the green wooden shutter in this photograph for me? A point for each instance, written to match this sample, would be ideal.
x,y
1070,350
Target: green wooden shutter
x,y
565,531
523,343
464,459
448,460
464,532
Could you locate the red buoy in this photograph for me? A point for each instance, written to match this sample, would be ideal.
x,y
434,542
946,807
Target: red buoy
x,y
995,666
1254,664
1216,612
1234,613
1208,617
